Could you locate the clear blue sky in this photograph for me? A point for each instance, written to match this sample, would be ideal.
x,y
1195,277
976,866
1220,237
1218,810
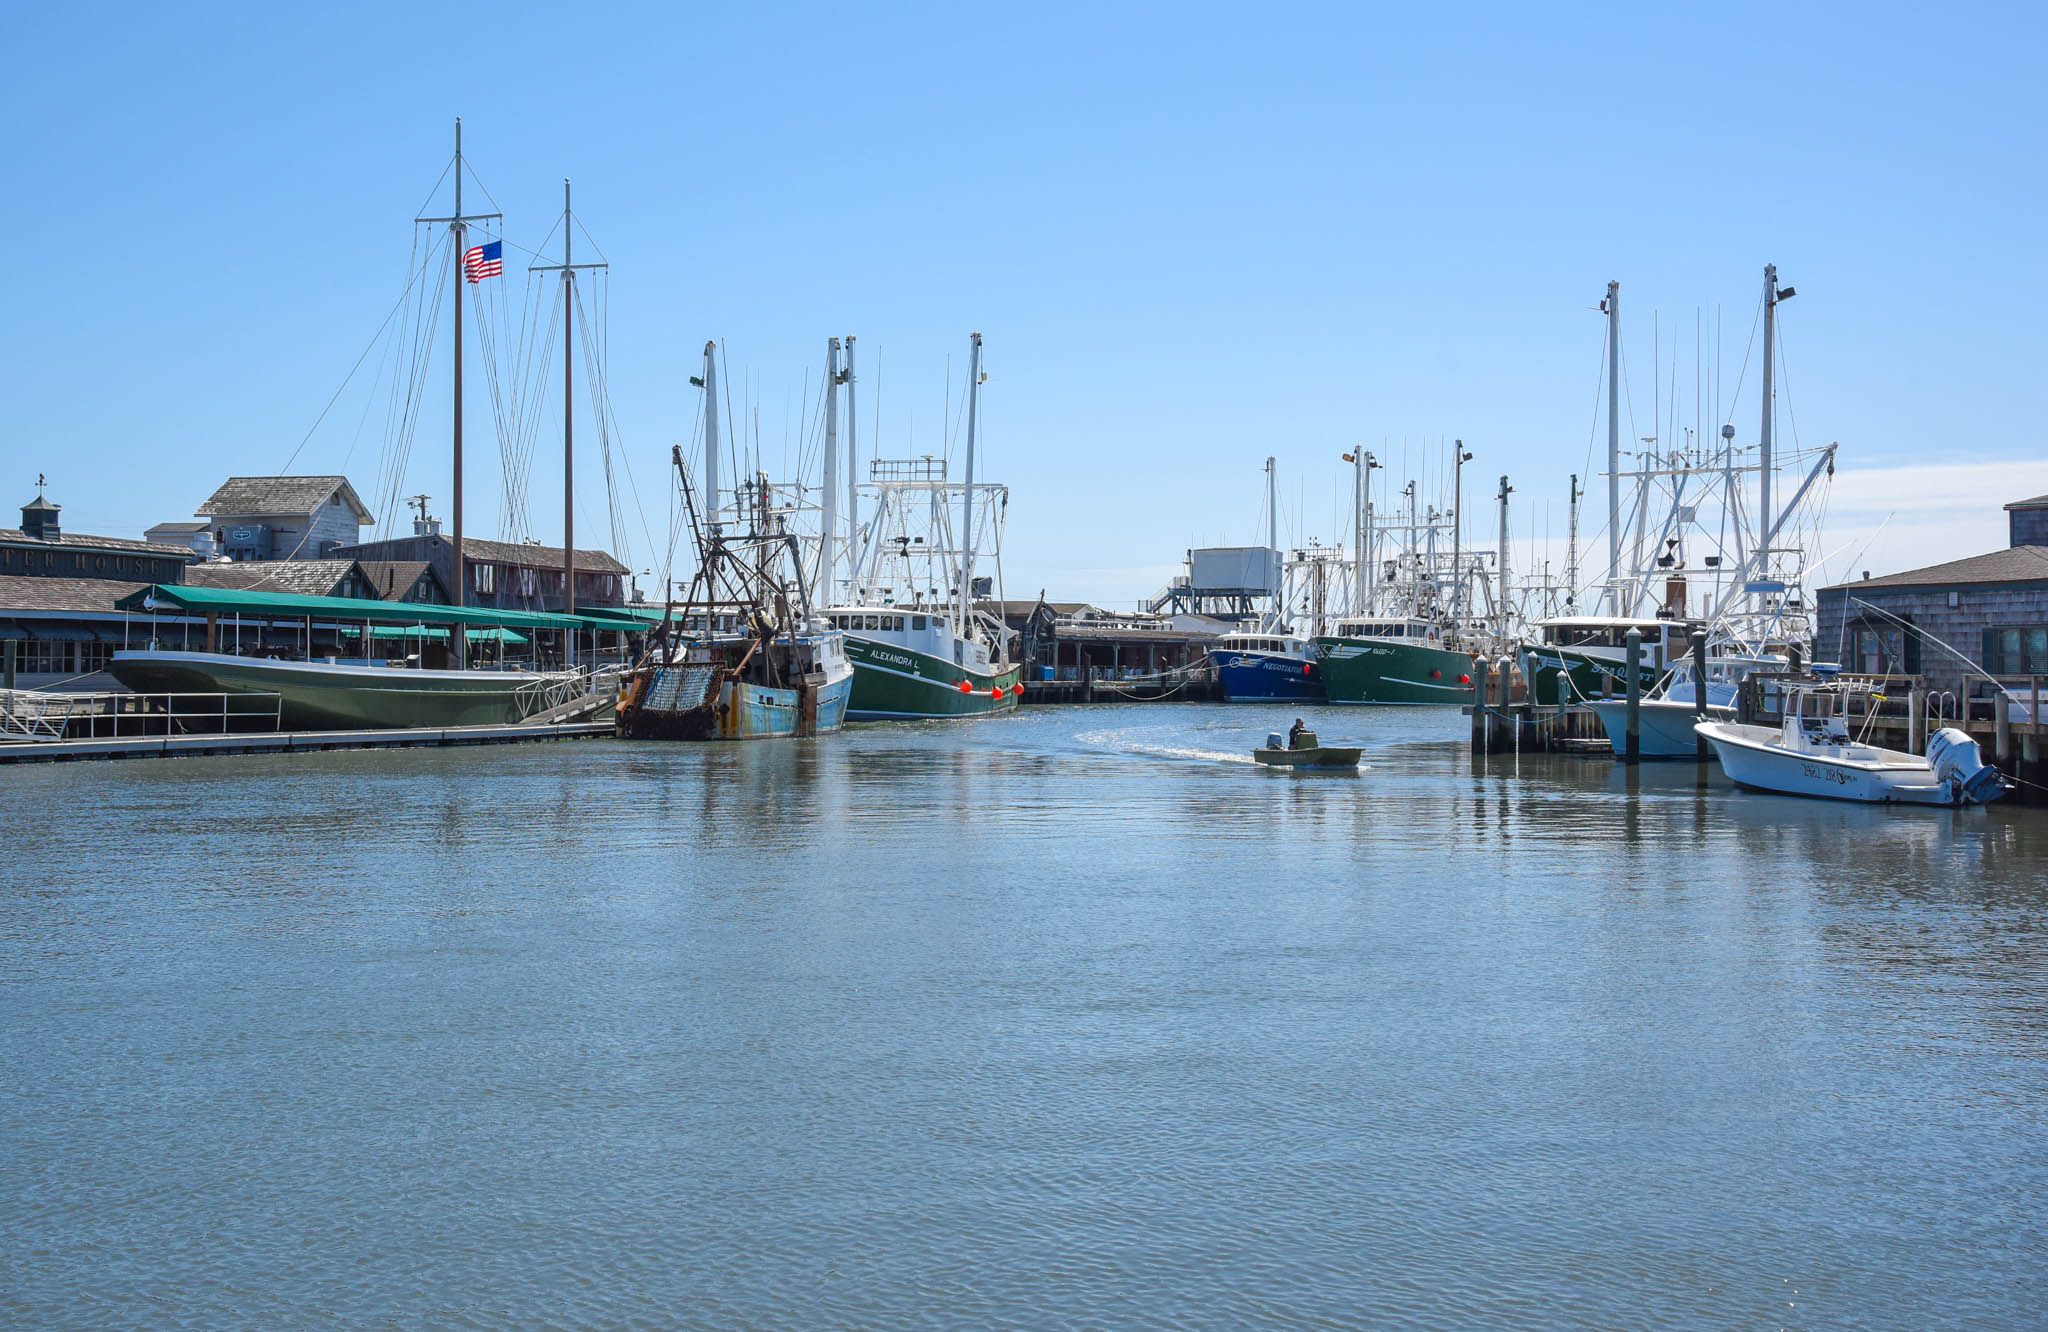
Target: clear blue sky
x,y
1192,235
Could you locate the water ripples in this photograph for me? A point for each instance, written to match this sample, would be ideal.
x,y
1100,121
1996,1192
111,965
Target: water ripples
x,y
1070,1017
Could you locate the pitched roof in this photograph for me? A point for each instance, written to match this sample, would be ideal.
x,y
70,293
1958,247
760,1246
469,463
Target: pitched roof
x,y
392,579
543,557
182,529
293,495
2015,564
78,540
62,594
479,548
1002,609
311,578
2038,502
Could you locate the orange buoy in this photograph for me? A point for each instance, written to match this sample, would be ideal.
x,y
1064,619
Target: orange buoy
x,y
966,688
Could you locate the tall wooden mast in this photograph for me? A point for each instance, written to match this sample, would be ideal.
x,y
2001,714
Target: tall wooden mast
x,y
458,230
568,268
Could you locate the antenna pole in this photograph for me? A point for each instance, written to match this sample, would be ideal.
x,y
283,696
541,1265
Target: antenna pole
x,y
967,492
1358,601
1505,491
711,435
828,546
1371,554
1273,534
852,466
1571,549
1764,457
1613,597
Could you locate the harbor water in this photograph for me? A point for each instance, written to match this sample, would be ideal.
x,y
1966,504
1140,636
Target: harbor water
x,y
1072,1017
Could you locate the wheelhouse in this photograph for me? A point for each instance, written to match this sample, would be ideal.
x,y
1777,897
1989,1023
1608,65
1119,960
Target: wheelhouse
x,y
1419,631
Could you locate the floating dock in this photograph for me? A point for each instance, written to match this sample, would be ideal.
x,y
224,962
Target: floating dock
x,y
292,742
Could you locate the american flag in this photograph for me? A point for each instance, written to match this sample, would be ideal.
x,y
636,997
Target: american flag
x,y
482,261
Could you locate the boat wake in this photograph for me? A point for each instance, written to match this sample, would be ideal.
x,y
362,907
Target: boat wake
x,y
1133,740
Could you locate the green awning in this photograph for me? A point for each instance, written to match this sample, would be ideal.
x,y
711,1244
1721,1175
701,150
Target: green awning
x,y
180,600
629,618
404,631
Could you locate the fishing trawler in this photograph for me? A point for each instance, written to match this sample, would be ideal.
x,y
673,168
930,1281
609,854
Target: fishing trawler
x,y
1412,633
741,657
1686,526
1267,663
921,648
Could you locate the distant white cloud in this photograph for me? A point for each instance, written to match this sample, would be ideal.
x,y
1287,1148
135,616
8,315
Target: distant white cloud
x,y
1886,518
1883,517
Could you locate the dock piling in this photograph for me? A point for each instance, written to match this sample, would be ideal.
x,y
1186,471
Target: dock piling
x,y
1633,749
7,671
1916,719
1699,692
1505,734
2001,726
1478,704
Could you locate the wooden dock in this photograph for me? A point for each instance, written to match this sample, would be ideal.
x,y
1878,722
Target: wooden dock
x,y
292,742
1198,686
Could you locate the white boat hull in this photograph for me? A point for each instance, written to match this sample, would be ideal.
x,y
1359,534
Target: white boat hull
x,y
1753,756
1663,729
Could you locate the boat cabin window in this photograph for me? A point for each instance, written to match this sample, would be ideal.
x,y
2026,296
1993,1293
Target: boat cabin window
x,y
917,622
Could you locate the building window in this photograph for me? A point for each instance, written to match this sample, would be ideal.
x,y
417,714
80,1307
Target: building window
x,y
2020,651
1884,649
486,579
43,656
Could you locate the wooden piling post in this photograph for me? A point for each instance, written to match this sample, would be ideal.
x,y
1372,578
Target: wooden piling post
x,y
2001,726
1916,719
1478,705
1504,733
1699,693
7,671
1633,749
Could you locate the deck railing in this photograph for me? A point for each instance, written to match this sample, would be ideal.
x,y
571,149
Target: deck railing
x,y
31,715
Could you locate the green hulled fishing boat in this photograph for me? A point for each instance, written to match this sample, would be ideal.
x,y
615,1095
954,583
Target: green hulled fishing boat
x,y
932,653
903,668
1593,652
1392,660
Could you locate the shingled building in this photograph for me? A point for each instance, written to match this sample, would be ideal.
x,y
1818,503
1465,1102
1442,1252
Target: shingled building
x,y
1987,614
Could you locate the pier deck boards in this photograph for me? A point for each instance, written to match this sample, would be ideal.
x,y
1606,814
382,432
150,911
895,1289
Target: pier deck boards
x,y
292,742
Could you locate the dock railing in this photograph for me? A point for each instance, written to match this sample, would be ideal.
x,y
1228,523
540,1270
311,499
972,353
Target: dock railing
x,y
29,716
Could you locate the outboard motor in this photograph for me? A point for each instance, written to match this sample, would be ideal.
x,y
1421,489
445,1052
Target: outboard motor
x,y
1275,740
1956,759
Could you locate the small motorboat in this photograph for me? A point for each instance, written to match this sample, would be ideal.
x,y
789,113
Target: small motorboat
x,y
1305,752
1813,754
